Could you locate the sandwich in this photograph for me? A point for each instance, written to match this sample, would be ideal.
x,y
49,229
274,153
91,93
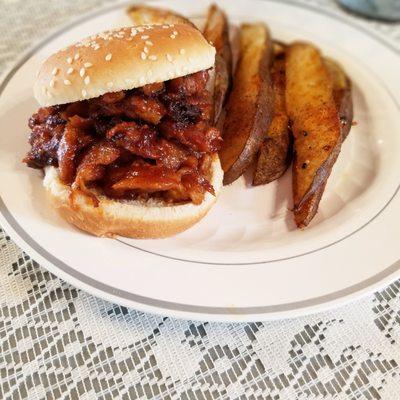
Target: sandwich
x,y
124,133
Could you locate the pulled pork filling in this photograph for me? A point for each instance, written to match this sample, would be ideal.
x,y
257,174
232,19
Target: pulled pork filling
x,y
154,141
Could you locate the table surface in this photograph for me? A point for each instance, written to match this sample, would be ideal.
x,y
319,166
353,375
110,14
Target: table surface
x,y
59,342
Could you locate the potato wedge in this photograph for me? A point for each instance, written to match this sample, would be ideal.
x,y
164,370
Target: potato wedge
x,y
216,31
315,124
142,15
342,95
275,153
249,110
278,48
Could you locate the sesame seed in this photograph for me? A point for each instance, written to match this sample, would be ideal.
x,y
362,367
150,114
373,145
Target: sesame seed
x,y
149,43
67,82
87,80
165,26
143,55
175,33
144,37
55,71
84,92
108,57
96,47
70,71
133,32
110,84
169,57
52,83
153,58
69,60
140,29
76,56
182,51
142,80
82,72
172,36
171,25
146,50
87,65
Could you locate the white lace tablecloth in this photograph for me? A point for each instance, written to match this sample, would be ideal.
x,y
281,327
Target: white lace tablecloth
x,y
59,342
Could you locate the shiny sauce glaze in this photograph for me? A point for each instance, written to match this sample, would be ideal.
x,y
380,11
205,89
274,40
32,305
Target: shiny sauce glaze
x,y
155,141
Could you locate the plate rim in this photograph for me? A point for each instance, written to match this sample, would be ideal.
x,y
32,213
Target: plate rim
x,y
180,310
197,312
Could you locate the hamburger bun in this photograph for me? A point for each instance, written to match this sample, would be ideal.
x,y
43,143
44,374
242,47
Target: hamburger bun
x,y
135,219
122,59
112,61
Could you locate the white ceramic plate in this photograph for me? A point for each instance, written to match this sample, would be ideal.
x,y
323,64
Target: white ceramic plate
x,y
245,261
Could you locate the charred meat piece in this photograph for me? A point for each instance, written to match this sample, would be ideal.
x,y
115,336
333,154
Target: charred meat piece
x,y
199,137
182,111
189,85
153,88
173,155
109,104
47,129
182,185
138,139
44,144
93,163
111,98
203,103
103,124
196,185
79,108
190,110
143,141
145,108
151,178
46,115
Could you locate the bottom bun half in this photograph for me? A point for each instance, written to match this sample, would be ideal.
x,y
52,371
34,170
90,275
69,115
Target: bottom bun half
x,y
135,219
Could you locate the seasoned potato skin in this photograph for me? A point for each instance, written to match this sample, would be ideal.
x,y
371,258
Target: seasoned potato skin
x,y
342,94
216,31
142,14
275,153
315,124
249,110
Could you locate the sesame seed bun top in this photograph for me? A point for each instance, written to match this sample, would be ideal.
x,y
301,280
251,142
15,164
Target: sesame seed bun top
x,y
121,59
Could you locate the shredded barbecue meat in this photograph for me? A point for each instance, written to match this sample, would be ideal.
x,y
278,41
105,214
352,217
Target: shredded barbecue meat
x,y
155,141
